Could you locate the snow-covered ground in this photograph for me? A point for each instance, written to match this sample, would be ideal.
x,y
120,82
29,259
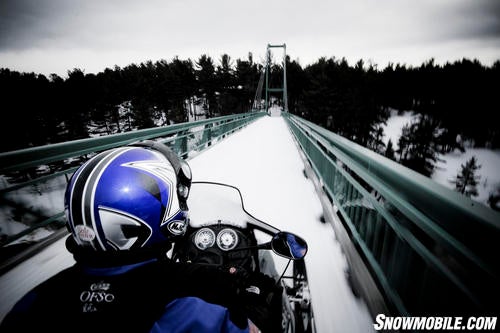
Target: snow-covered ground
x,y
396,121
264,163
449,165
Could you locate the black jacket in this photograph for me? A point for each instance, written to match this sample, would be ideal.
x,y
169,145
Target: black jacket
x,y
80,299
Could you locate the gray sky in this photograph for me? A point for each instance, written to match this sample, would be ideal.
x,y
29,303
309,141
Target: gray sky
x,y
54,36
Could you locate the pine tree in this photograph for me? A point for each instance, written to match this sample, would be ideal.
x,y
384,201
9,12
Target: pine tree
x,y
417,145
389,151
205,74
494,198
466,181
404,142
375,141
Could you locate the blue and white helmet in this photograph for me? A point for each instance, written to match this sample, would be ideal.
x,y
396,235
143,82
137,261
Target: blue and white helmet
x,y
128,198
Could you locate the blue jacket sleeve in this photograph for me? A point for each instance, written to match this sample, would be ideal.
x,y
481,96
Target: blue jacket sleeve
x,y
192,314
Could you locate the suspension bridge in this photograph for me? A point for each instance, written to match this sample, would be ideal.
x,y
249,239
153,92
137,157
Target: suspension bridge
x,y
383,238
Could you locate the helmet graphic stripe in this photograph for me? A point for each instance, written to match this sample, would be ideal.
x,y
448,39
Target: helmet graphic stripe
x,y
115,223
166,173
77,193
89,195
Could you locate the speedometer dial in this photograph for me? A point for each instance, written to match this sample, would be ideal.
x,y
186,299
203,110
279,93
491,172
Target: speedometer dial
x,y
204,238
227,239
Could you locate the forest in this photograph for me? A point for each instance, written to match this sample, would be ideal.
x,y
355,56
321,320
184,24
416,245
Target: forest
x,y
458,102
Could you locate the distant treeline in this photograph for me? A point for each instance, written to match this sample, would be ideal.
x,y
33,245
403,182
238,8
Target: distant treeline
x,y
456,100
458,104
461,97
37,110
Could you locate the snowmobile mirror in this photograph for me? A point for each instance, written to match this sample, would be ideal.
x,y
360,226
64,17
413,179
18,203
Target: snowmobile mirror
x,y
289,245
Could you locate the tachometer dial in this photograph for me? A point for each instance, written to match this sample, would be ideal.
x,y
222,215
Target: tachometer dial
x,y
227,239
204,238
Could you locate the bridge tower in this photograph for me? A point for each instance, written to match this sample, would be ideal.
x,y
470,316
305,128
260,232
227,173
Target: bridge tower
x,y
281,89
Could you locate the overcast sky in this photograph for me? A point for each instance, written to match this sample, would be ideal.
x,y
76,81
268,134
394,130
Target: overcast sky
x,y
54,36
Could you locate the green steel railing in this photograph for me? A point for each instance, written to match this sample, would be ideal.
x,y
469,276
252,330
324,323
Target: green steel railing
x,y
32,181
431,250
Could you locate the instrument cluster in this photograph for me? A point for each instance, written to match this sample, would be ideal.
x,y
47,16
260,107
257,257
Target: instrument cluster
x,y
226,238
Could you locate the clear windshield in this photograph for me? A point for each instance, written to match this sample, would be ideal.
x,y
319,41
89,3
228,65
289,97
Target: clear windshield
x,y
210,202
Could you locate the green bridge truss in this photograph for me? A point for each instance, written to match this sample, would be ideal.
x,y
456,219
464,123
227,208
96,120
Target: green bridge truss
x,y
432,251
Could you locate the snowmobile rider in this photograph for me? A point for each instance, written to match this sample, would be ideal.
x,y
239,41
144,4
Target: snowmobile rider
x,y
125,207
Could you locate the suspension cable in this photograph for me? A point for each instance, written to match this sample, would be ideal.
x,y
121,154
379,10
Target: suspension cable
x,y
257,102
